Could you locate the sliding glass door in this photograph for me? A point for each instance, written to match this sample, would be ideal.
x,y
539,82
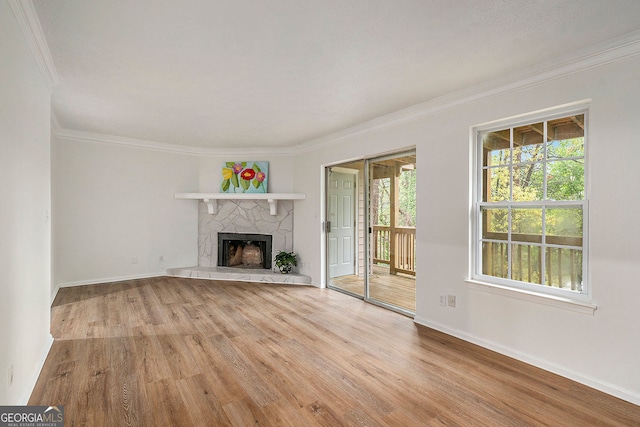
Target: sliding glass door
x,y
370,229
392,231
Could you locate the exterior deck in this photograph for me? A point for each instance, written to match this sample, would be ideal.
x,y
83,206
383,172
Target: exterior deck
x,y
395,289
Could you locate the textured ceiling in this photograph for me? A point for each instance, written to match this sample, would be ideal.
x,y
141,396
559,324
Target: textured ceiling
x,y
254,73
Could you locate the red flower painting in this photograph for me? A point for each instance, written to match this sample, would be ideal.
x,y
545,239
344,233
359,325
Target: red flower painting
x,y
244,177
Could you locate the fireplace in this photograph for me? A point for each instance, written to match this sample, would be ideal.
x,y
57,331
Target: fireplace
x,y
244,250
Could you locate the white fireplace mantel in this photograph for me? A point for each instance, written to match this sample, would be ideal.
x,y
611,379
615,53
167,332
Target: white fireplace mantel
x,y
211,199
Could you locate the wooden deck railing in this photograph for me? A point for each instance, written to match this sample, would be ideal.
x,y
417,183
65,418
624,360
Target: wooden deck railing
x,y
563,264
395,247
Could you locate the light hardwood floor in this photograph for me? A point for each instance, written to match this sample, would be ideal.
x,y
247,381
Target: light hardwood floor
x,y
186,352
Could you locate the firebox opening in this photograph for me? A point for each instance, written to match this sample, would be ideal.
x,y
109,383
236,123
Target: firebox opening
x,y
244,250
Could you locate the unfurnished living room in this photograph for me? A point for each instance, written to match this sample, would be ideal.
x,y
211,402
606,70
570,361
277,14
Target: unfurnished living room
x,y
381,213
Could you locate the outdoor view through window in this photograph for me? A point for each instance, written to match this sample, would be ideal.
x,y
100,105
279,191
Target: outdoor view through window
x,y
531,207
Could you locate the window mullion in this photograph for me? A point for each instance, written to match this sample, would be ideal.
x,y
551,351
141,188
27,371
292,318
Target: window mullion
x,y
509,211
543,248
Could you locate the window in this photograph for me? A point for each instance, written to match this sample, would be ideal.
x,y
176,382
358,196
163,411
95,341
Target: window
x,y
530,207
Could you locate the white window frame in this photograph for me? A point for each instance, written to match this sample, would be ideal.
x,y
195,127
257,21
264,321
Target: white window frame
x,y
475,264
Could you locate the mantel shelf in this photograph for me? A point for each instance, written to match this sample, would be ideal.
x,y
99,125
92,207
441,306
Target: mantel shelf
x,y
211,199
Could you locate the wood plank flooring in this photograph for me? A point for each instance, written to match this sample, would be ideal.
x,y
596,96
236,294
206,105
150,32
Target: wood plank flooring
x,y
187,352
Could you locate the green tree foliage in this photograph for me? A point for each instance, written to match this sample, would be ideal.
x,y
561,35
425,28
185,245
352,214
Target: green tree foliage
x,y
564,179
381,200
407,199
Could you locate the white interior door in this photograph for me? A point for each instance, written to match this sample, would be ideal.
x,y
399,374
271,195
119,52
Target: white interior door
x,y
341,195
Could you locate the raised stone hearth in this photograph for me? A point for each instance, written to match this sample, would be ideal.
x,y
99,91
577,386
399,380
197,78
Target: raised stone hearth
x,y
244,275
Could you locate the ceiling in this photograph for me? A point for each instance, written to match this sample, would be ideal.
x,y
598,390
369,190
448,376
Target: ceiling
x,y
258,73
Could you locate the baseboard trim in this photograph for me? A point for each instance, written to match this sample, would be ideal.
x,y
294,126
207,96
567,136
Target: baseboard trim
x,y
24,400
54,294
106,280
604,387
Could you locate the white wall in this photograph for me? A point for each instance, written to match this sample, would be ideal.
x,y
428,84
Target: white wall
x,y
113,203
24,209
600,350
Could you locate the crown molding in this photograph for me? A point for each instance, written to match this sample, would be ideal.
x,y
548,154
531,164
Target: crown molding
x,y
598,55
29,24
77,135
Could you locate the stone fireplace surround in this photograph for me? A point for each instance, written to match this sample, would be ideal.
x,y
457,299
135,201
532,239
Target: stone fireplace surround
x,y
244,216
247,217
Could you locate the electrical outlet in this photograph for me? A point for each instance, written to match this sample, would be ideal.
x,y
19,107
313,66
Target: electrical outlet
x,y
134,260
10,375
451,300
161,258
443,300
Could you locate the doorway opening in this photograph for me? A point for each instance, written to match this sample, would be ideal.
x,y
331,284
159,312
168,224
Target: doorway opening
x,y
371,228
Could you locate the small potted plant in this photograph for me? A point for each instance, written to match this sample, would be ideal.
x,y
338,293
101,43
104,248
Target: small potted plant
x,y
285,261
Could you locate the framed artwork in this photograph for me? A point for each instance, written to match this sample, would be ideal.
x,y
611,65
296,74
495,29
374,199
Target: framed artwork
x,y
245,177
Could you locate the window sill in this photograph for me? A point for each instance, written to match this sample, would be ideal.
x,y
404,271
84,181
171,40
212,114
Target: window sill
x,y
577,306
